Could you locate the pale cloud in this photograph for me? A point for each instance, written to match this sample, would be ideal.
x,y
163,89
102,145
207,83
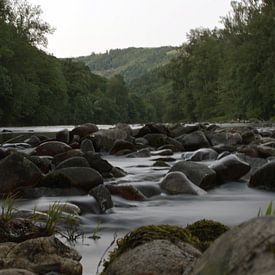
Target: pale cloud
x,y
85,26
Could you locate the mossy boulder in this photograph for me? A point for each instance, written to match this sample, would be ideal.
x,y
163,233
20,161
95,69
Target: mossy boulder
x,y
206,231
150,233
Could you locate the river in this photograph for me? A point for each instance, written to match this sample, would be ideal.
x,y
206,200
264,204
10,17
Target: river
x,y
231,204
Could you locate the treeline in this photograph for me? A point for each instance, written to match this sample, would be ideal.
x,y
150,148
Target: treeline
x,y
39,89
221,74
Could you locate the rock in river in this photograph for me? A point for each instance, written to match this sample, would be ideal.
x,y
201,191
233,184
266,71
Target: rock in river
x,y
16,171
230,168
177,183
198,173
52,148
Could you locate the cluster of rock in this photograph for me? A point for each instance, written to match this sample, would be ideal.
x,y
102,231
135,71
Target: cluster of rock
x,y
71,163
245,249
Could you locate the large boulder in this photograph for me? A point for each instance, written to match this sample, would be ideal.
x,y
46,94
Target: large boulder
x,y
194,140
153,129
73,162
80,177
153,249
230,168
41,256
225,138
52,148
245,249
158,257
66,155
201,154
179,129
84,130
264,177
87,146
177,183
16,171
156,140
104,139
199,174
122,145
63,136
99,164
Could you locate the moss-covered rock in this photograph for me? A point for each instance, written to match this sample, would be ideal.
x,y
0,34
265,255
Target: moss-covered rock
x,y
149,233
206,231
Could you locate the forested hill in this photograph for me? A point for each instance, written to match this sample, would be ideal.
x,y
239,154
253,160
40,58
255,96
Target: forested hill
x,y
131,63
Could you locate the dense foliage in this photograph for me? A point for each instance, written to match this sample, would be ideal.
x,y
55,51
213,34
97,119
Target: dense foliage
x,y
36,88
226,73
132,63
219,74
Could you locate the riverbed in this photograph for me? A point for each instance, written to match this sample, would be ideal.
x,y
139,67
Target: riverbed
x,y
231,204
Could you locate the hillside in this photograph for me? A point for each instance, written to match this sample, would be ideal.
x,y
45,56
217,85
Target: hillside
x,y
132,63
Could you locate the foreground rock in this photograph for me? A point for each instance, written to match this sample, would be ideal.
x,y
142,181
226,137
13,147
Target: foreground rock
x,y
40,256
177,183
199,174
162,249
52,148
264,177
246,249
16,171
159,257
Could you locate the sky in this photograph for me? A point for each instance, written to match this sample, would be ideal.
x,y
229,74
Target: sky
x,y
86,26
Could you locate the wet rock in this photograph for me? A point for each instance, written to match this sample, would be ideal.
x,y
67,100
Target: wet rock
x,y
141,141
87,146
230,168
161,164
66,155
179,129
97,163
144,153
245,249
33,140
153,129
84,130
117,172
105,139
154,258
43,255
82,177
255,164
122,145
248,137
220,148
201,154
249,151
44,163
164,152
38,192
265,151
199,174
148,189
87,205
17,171
73,162
175,183
173,144
127,192
194,141
225,138
52,148
264,177
156,140
164,159
103,197
63,136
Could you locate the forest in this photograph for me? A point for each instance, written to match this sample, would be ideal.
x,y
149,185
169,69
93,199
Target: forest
x,y
217,75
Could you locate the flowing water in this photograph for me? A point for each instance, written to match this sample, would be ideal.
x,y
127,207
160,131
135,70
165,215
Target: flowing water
x,y
231,204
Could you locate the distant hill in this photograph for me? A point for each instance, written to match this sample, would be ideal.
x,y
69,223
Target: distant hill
x,y
132,63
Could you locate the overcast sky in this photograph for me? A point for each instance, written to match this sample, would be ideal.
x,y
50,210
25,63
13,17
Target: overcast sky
x,y
86,26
